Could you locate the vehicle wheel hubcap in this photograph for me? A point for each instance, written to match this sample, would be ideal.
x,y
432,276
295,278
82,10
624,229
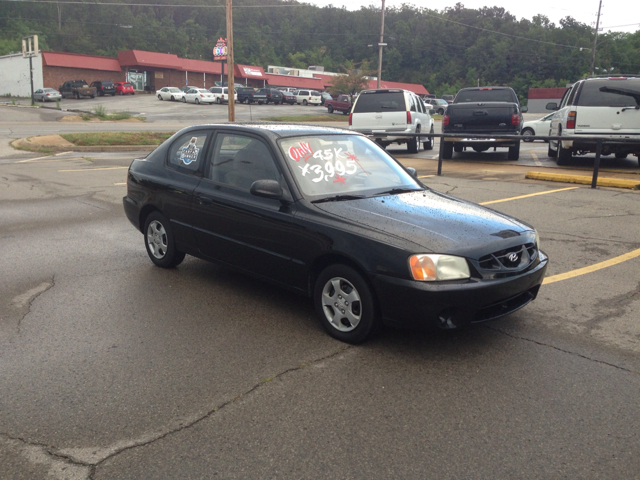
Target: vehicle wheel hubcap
x,y
341,304
157,239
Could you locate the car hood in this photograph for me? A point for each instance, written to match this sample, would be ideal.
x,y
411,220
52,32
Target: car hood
x,y
435,222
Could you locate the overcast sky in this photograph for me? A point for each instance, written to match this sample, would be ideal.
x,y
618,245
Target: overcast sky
x,y
615,13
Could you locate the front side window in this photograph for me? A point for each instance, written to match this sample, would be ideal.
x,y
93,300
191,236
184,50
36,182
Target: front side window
x,y
329,165
185,154
239,160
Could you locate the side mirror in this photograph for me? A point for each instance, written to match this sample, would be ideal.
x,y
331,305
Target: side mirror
x,y
552,106
266,189
412,172
524,109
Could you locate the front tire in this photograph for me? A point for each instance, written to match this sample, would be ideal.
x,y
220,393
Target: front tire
x,y
621,155
305,103
158,240
184,100
159,97
330,108
197,101
345,305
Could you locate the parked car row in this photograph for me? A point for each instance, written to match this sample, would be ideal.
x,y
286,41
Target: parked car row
x,y
246,95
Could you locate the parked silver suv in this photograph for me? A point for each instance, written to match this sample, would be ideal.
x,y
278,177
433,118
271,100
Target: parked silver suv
x,y
608,107
389,111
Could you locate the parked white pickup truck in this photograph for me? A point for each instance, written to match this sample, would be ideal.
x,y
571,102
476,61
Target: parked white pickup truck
x,y
608,107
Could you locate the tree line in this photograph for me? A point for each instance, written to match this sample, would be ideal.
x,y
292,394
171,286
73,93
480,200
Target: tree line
x,y
443,50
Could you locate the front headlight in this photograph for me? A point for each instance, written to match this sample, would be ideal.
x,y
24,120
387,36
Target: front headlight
x,y
537,239
432,267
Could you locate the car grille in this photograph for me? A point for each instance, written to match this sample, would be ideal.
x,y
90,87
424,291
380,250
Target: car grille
x,y
514,259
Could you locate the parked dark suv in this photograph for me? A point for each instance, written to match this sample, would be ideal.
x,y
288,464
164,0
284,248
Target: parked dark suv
x,y
104,87
245,94
273,95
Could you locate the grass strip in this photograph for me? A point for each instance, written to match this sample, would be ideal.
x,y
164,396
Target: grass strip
x,y
116,138
328,117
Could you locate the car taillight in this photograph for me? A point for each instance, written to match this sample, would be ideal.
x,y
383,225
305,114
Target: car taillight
x,y
350,116
571,120
48,94
445,120
408,118
202,95
515,119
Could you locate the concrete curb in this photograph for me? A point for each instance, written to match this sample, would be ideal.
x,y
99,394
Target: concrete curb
x,y
584,180
26,144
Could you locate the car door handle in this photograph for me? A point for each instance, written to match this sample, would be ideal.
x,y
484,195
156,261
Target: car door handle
x,y
205,201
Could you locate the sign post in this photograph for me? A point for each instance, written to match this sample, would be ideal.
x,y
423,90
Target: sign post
x,y
230,81
30,49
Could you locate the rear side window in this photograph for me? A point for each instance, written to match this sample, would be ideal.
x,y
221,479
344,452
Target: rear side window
x,y
610,93
185,154
501,95
380,102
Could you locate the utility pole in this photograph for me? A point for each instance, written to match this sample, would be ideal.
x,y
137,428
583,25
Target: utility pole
x,y
230,79
595,41
380,45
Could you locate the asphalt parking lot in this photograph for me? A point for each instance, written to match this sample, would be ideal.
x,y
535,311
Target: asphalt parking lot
x,y
113,368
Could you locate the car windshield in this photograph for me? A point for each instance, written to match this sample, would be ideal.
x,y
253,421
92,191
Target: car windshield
x,y
174,90
335,165
127,85
50,90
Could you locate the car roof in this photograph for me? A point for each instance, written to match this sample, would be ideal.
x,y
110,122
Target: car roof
x,y
278,130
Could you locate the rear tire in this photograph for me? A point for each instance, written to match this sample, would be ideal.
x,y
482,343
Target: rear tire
x,y
304,102
428,145
551,153
564,155
514,152
447,150
413,145
621,156
459,148
345,304
158,240
184,100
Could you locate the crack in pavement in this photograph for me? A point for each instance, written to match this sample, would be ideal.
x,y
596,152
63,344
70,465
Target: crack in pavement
x,y
518,337
27,298
93,456
40,454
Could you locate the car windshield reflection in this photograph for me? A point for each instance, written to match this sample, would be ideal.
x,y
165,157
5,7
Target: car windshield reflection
x,y
334,166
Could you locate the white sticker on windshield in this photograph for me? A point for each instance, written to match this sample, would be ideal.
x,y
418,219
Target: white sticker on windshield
x,y
189,153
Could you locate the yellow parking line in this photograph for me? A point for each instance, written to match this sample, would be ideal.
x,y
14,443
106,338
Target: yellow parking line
x,y
426,176
92,169
529,195
123,183
47,156
592,268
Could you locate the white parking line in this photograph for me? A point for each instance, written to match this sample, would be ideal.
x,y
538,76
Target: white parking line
x,y
48,156
92,169
535,158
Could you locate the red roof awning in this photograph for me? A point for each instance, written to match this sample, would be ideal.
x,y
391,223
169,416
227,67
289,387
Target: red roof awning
x,y
293,81
132,58
248,71
201,66
412,87
76,60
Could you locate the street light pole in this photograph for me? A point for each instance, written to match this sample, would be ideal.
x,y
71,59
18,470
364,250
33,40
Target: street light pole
x,y
595,41
380,45
230,79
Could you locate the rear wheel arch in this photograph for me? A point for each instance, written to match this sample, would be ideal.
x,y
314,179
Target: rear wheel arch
x,y
144,213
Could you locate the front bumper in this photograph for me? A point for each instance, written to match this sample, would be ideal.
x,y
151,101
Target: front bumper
x,y
411,304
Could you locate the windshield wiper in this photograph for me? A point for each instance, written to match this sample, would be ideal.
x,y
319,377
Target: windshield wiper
x,y
396,191
338,198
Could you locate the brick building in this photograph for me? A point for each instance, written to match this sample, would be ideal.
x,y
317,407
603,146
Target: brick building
x,y
150,71
539,97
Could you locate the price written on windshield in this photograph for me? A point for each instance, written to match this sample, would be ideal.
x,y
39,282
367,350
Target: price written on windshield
x,y
332,165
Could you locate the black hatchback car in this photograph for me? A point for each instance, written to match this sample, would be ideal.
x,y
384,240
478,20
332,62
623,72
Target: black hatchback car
x,y
327,213
104,87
